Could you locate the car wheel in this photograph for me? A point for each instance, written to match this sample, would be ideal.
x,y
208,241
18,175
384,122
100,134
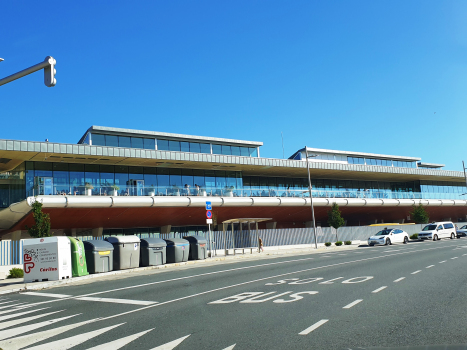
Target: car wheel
x,y
406,240
388,241
452,235
371,245
435,237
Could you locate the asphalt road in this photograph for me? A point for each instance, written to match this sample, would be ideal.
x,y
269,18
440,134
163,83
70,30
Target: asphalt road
x,y
390,296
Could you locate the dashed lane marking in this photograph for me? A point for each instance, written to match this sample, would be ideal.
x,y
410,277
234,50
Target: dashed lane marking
x,y
353,303
313,327
456,257
399,279
430,266
118,301
379,289
415,272
442,261
464,254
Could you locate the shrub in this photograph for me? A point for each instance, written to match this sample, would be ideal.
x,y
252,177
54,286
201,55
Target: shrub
x,y
338,243
414,236
327,244
348,242
16,273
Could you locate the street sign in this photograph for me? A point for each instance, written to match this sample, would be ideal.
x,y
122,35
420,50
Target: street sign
x,y
208,206
208,221
208,214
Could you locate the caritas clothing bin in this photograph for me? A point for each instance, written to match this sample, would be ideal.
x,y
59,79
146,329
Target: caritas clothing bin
x,y
198,245
177,250
46,259
153,251
99,256
126,251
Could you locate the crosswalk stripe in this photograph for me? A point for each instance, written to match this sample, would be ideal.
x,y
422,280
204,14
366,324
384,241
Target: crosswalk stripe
x,y
28,328
230,347
48,295
118,301
4,325
29,339
171,345
6,302
67,343
11,305
119,343
21,307
7,317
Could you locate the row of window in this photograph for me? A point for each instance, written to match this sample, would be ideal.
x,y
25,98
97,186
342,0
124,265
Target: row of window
x,y
169,145
381,162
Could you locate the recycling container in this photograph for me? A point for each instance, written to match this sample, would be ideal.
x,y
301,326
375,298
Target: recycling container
x,y
153,251
177,250
78,258
198,246
99,255
46,259
126,251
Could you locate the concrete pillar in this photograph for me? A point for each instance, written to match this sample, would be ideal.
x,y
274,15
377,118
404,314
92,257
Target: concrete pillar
x,y
97,232
166,229
271,225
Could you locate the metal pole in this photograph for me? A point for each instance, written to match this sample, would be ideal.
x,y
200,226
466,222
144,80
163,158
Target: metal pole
x,y
210,241
311,197
46,63
465,177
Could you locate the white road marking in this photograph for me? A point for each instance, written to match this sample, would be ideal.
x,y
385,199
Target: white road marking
x,y
464,254
28,328
442,261
456,257
415,272
119,343
29,339
118,301
21,307
256,299
341,254
68,343
4,325
11,306
49,295
7,317
430,266
331,281
174,343
230,347
358,279
399,279
353,303
313,327
7,302
379,289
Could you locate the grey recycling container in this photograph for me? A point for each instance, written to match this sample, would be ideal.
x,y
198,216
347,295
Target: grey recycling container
x,y
99,255
198,247
153,251
177,250
126,251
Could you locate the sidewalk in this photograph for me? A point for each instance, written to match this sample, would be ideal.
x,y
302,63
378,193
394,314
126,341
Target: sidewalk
x,y
15,285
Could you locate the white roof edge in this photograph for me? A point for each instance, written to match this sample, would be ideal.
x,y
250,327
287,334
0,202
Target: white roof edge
x,y
430,165
175,136
348,153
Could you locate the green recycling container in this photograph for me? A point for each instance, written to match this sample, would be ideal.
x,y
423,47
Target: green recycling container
x,y
78,258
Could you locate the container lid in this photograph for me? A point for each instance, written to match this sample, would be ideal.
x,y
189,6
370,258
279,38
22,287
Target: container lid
x,y
176,241
153,242
45,240
97,245
196,239
122,239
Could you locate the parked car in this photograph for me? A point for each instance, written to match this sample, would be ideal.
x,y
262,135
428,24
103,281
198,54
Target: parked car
x,y
438,230
389,236
461,232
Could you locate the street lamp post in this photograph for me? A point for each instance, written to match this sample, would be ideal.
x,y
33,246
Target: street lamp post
x,y
311,195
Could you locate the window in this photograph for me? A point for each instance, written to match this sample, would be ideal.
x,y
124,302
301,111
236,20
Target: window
x,y
185,146
371,161
253,152
124,141
235,151
446,226
216,149
111,141
244,152
174,146
205,148
226,150
137,142
162,145
194,147
98,140
149,144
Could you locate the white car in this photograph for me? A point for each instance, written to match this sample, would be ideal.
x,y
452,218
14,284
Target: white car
x,y
389,236
438,230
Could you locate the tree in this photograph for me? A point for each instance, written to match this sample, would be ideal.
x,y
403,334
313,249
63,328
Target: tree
x,y
419,214
334,218
41,228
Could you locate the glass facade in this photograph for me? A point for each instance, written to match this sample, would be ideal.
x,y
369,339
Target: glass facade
x,y
381,162
123,141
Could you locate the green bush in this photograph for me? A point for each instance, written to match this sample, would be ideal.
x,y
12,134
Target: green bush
x,y
16,273
348,242
414,236
338,243
327,244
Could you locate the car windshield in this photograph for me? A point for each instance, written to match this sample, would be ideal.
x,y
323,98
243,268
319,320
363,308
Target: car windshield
x,y
383,232
429,228
464,227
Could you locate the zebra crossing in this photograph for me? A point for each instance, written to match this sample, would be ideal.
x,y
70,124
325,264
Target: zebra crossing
x,y
21,329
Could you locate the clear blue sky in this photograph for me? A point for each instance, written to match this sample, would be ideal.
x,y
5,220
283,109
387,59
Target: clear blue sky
x,y
384,77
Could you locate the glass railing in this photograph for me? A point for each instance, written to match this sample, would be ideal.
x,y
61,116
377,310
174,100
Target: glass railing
x,y
231,192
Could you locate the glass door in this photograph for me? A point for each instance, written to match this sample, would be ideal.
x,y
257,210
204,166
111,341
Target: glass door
x,y
45,185
139,187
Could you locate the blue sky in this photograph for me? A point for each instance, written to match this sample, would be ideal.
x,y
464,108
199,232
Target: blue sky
x,y
384,77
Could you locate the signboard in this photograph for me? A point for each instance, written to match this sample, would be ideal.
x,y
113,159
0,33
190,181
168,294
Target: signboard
x,y
47,259
208,221
209,214
208,206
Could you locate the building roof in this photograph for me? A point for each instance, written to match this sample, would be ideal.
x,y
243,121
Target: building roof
x,y
361,154
166,135
430,165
